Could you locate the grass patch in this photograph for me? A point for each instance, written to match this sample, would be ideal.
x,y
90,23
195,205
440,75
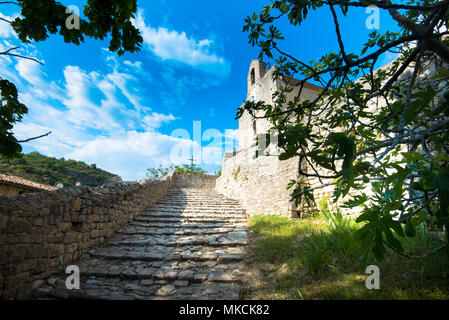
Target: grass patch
x,y
318,258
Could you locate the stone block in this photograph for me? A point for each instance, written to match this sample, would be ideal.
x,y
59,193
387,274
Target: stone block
x,y
13,253
71,247
67,258
44,212
36,251
3,221
17,226
93,218
95,234
64,226
54,250
26,265
76,206
55,238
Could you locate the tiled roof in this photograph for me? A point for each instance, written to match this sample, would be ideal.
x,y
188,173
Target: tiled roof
x,y
24,183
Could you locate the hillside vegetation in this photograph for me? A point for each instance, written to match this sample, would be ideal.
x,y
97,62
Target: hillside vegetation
x,y
51,171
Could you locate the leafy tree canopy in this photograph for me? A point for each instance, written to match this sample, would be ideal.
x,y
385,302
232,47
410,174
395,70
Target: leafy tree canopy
x,y
388,131
39,20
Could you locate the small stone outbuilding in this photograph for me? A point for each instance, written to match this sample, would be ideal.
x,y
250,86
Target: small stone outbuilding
x,y
12,185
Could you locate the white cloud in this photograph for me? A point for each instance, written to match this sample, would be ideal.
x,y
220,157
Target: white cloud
x,y
177,46
155,120
98,118
130,154
29,70
121,80
136,65
6,30
82,112
112,132
32,72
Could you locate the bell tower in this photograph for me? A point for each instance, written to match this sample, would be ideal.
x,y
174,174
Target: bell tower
x,y
257,70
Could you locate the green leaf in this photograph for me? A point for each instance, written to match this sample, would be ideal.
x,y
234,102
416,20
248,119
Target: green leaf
x,y
392,241
410,229
379,249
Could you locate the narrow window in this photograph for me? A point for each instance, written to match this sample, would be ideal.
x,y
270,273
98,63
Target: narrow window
x,y
254,127
253,77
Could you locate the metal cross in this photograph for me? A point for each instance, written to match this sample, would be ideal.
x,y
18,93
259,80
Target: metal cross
x,y
192,160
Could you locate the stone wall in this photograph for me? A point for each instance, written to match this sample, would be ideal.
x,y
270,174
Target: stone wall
x,y
259,184
42,233
198,181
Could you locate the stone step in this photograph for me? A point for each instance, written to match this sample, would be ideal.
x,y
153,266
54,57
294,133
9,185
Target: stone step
x,y
189,245
192,271
204,221
194,208
176,190
191,216
204,202
183,207
194,212
160,253
197,205
211,202
161,214
175,231
186,224
230,239
187,192
146,289
197,197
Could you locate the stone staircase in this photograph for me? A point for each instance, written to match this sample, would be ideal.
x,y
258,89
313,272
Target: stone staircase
x,y
189,245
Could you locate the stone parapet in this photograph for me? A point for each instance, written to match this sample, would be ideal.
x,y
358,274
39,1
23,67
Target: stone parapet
x,y
42,233
197,181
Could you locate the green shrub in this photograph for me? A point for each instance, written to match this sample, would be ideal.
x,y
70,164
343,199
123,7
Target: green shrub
x,y
337,243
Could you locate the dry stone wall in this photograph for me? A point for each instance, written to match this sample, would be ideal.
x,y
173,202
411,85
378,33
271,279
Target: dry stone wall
x,y
197,181
259,184
42,233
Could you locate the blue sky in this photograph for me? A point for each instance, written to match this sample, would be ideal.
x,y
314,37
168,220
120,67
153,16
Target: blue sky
x,y
130,113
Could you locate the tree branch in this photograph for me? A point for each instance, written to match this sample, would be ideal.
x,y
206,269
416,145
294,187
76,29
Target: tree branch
x,y
7,53
444,245
35,138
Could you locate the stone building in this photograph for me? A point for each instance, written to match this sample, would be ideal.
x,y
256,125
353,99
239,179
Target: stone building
x,y
260,184
12,185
